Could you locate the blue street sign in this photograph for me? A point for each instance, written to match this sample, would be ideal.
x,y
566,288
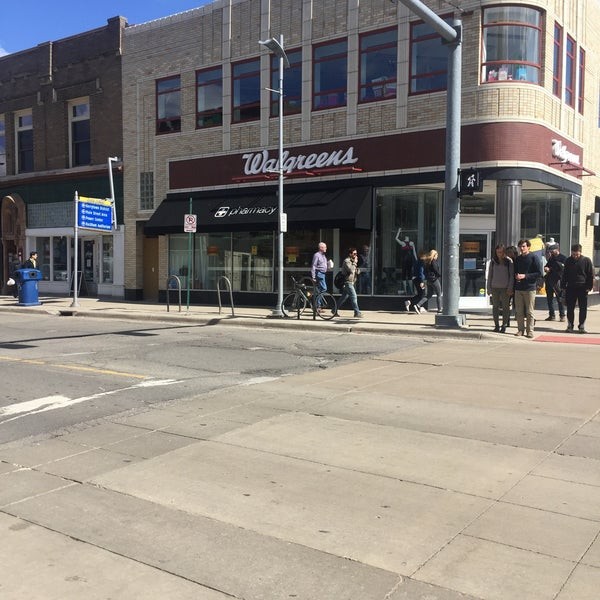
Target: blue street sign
x,y
95,213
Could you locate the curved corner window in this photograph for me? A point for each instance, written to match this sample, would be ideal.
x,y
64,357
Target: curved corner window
x,y
512,44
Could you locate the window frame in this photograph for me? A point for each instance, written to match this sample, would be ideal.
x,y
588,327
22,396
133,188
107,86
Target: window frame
x,y
570,71
501,70
22,152
239,110
3,165
414,77
581,81
385,88
557,69
333,94
172,123
74,145
292,104
213,116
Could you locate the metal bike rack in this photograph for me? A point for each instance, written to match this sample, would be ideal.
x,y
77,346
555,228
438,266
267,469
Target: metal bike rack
x,y
178,282
228,285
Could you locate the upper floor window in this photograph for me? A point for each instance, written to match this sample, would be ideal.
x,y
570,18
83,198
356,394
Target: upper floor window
x,y
428,60
511,44
570,63
146,190
168,105
79,117
2,146
209,97
330,74
557,61
378,59
581,86
245,81
292,84
24,137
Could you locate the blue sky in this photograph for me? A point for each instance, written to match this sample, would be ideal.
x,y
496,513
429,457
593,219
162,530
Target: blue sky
x,y
27,23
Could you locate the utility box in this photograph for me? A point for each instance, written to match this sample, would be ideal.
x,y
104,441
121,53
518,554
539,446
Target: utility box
x,y
27,280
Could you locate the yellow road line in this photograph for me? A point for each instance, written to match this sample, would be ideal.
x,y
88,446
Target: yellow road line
x,y
29,361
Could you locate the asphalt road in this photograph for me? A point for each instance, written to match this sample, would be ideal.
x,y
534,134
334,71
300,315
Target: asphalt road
x,y
61,371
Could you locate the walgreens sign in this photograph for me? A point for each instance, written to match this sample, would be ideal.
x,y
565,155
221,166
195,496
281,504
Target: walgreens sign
x,y
261,163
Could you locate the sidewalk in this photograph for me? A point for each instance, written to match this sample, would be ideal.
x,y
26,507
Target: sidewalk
x,y
444,471
479,325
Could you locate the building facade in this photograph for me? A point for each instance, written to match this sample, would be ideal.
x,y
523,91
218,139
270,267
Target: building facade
x,y
364,137
60,121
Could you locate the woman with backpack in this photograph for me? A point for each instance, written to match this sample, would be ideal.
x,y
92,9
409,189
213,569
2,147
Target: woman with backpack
x,y
351,271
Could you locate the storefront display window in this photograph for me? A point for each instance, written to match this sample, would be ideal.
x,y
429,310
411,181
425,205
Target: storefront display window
x,y
42,245
407,223
59,258
107,258
542,214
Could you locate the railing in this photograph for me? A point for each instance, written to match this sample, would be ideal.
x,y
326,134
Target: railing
x,y
228,285
178,282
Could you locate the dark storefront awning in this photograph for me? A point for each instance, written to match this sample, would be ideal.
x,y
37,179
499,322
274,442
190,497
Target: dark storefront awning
x,y
348,208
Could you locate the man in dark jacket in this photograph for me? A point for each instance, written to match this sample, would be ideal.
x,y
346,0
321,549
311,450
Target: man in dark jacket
x,y
528,270
554,269
577,281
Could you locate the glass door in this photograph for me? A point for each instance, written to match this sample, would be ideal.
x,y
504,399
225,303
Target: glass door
x,y
474,253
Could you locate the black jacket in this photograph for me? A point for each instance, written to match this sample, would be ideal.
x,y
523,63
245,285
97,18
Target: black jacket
x,y
578,273
531,266
555,266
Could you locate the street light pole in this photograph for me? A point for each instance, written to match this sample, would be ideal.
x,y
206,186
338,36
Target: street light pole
x,y
276,47
451,35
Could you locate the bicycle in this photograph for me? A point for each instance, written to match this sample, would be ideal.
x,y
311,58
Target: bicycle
x,y
322,303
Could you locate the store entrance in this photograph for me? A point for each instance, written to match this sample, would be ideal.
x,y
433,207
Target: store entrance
x,y
474,254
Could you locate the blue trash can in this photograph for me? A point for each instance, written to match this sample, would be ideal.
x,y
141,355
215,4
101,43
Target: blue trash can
x,y
27,280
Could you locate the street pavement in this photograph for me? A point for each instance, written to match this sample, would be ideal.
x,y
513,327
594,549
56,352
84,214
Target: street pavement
x,y
468,468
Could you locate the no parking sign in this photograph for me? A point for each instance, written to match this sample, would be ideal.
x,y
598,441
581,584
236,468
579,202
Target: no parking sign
x,y
189,223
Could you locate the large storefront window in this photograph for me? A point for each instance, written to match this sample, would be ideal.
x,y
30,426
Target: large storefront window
x,y
107,258
59,259
245,258
545,215
407,223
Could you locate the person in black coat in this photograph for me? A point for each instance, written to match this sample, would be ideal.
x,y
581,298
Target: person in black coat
x,y
553,273
577,281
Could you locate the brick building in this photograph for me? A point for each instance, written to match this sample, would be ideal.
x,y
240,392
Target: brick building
x,y
60,120
364,137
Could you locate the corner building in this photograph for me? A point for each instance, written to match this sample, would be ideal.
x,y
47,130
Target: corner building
x,y
364,139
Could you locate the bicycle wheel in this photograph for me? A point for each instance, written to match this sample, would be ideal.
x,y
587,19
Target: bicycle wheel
x,y
327,306
293,305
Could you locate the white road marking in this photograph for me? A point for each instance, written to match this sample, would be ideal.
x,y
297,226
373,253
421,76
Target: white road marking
x,y
39,405
255,380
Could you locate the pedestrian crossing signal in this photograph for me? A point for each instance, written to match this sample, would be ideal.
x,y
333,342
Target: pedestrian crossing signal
x,y
470,182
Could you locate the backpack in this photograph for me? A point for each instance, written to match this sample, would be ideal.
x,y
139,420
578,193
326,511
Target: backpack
x,y
339,280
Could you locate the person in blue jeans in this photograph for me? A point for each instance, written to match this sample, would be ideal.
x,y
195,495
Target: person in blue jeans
x,y
318,268
351,273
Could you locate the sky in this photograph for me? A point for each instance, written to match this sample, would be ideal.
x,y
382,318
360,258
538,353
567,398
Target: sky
x,y
27,23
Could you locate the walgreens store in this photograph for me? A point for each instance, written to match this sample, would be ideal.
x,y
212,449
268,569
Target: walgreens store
x,y
348,193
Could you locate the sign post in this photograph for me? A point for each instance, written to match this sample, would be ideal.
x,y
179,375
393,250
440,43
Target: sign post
x,y
189,227
96,214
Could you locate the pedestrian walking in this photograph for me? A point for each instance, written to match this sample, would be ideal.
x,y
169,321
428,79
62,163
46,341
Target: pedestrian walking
x,y
528,270
433,284
351,273
577,281
554,270
31,262
419,285
319,267
500,287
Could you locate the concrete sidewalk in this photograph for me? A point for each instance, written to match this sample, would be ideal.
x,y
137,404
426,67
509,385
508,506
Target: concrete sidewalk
x,y
479,325
451,470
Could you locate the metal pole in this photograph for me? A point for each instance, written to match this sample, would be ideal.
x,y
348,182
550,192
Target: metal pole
x,y
450,316
76,240
278,312
189,273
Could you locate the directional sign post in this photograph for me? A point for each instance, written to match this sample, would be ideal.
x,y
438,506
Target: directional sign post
x,y
96,214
